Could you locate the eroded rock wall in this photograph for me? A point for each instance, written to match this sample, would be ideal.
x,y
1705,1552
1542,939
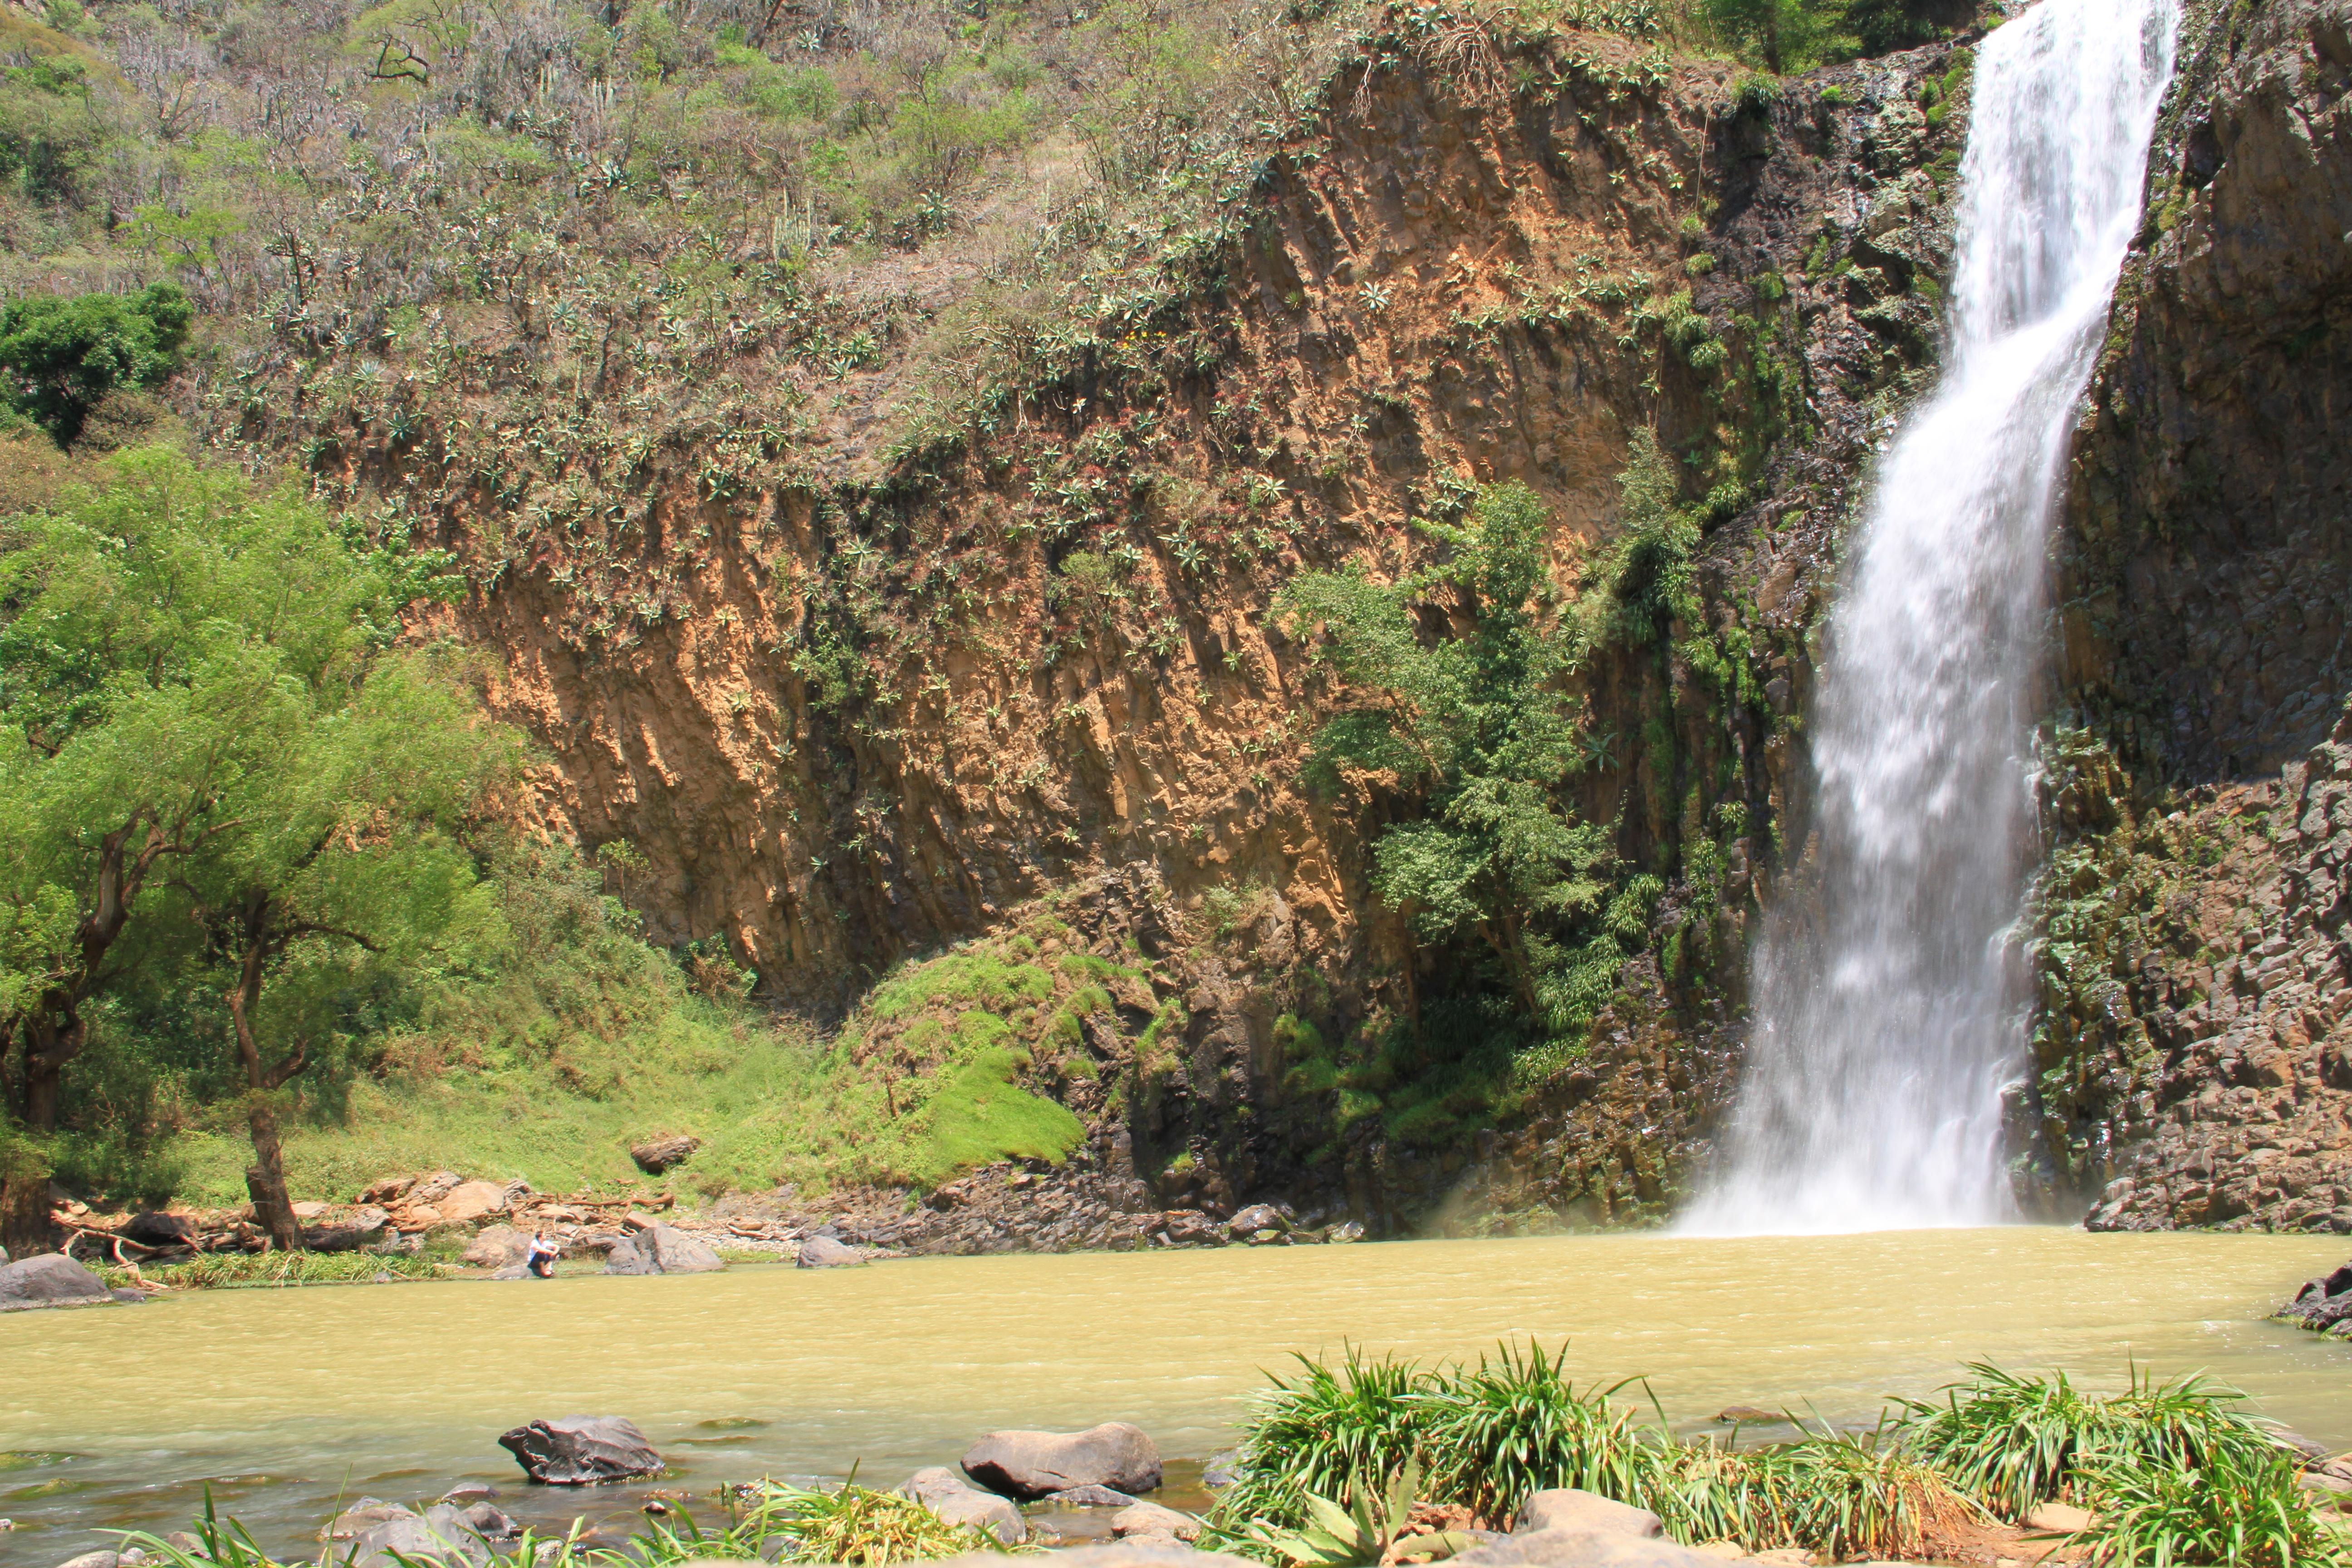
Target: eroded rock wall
x,y
2191,1031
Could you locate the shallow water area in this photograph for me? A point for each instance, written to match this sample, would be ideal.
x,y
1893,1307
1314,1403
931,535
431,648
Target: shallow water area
x,y
283,1400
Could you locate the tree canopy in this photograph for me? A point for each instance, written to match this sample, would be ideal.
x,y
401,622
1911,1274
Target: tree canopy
x,y
62,356
217,772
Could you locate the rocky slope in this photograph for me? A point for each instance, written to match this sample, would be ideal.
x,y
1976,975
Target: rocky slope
x,y
2192,1026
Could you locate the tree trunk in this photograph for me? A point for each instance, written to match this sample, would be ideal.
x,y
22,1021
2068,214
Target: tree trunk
x,y
52,1038
25,1226
265,1180
273,1210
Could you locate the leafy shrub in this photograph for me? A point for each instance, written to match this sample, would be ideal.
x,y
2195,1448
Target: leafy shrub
x,y
62,356
1516,1425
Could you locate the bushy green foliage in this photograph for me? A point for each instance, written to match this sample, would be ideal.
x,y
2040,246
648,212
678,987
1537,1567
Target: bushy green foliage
x,y
1482,723
61,357
219,1270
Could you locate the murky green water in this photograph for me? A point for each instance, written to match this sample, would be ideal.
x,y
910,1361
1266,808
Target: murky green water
x,y
282,1399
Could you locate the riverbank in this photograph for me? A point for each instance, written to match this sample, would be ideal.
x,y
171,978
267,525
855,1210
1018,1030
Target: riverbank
x,y
1501,1461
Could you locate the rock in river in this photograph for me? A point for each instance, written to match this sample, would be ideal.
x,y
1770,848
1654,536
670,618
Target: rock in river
x,y
1149,1519
824,1252
1256,1218
2324,1305
675,1252
441,1535
1086,1497
48,1279
1026,1465
662,1249
579,1449
958,1501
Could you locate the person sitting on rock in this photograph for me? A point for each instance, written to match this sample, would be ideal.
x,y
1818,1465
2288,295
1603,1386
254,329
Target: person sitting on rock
x,y
543,1254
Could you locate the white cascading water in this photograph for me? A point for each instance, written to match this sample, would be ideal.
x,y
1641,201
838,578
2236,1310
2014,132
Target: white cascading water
x,y
1887,1015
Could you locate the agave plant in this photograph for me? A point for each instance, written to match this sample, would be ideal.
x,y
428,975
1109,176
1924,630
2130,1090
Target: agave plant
x,y
1362,1532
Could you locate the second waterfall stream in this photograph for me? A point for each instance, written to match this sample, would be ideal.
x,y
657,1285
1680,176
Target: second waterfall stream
x,y
1887,1010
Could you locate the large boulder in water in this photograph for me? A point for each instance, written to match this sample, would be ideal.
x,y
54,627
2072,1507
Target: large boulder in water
x,y
1026,1465
825,1252
675,1252
628,1257
958,1501
48,1279
580,1449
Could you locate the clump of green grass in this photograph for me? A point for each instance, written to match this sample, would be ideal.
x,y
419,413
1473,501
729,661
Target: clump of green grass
x,y
2238,1507
854,1524
1516,1425
1322,1432
214,1270
2015,1440
770,1521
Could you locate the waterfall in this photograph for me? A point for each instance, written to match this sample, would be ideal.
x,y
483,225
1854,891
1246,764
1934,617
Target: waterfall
x,y
1887,1009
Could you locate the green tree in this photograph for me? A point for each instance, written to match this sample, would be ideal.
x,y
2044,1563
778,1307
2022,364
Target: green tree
x,y
62,356
1781,35
212,758
1462,673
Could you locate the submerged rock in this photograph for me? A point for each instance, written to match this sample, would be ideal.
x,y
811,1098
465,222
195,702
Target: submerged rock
x,y
1027,1464
2324,1305
958,1501
441,1534
1151,1518
579,1449
1086,1497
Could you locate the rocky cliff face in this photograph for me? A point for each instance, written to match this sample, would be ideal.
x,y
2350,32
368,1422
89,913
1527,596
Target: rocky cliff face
x,y
2192,1028
879,717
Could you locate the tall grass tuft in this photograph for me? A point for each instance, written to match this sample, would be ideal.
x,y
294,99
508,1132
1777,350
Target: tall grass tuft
x,y
2016,1440
1323,1430
2243,1508
1516,1425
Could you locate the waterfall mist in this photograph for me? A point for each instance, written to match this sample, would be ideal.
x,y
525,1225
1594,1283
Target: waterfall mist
x,y
1887,1013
